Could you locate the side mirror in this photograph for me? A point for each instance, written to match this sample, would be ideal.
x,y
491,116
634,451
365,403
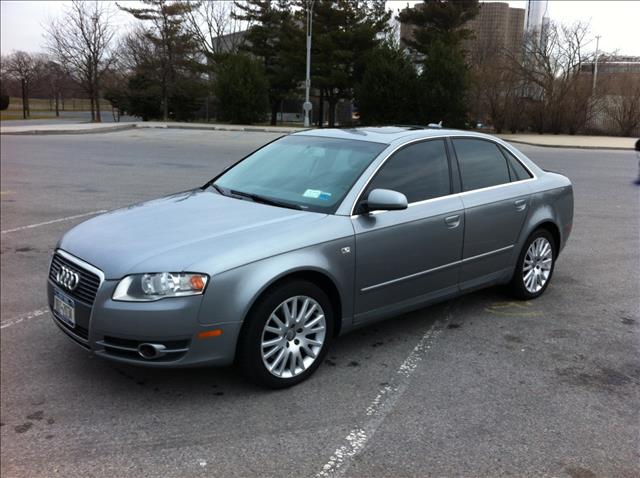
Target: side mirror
x,y
386,200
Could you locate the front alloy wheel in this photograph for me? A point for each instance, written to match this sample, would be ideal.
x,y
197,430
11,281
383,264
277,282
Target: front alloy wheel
x,y
286,335
293,336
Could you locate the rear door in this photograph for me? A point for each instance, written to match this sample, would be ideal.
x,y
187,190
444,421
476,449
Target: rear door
x,y
404,258
496,197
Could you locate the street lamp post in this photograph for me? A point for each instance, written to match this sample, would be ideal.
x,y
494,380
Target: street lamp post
x,y
307,104
595,66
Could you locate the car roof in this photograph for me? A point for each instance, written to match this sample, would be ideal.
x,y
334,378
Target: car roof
x,y
387,134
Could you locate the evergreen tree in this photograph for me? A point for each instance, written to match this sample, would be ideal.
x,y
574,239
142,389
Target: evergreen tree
x,y
4,99
437,40
278,42
389,89
344,31
242,89
174,45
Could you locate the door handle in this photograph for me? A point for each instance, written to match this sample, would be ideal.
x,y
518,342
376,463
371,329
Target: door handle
x,y
452,221
521,204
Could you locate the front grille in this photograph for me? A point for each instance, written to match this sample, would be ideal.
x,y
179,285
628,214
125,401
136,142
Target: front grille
x,y
86,289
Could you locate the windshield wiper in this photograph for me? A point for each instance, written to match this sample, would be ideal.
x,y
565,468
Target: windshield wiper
x,y
265,200
218,188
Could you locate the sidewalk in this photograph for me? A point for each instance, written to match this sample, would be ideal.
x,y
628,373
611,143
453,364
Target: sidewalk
x,y
549,140
568,141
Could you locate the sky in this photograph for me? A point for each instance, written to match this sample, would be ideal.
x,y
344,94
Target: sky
x,y
617,22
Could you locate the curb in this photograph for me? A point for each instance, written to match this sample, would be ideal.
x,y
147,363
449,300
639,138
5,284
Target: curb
x,y
565,146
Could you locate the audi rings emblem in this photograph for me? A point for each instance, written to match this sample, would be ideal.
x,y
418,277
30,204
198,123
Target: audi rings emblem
x,y
67,278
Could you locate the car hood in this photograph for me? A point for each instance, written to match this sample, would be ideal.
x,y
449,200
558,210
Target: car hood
x,y
174,233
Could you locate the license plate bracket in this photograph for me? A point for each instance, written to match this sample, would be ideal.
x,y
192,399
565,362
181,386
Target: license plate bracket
x,y
65,308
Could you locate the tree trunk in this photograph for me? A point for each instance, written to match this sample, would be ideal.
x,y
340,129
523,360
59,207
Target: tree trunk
x,y
321,109
332,111
165,101
24,99
274,113
57,104
93,111
97,103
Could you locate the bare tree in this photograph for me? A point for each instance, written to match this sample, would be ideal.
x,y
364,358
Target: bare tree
x,y
81,41
23,67
551,67
52,80
216,27
622,104
496,87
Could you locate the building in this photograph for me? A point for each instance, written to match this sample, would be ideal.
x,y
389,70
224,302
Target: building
x,y
497,27
614,65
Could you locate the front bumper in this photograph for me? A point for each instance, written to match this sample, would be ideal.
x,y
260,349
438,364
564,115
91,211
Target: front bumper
x,y
113,330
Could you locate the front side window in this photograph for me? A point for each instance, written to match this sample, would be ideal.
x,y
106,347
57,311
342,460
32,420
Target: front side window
x,y
306,172
420,171
481,164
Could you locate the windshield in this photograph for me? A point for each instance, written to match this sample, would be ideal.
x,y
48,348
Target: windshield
x,y
306,172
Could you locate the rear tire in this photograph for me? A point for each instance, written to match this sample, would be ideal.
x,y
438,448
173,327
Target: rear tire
x,y
286,335
535,266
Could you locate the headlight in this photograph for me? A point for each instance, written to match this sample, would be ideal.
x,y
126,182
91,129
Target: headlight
x,y
156,286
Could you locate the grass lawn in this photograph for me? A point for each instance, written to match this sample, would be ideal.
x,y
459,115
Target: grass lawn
x,y
39,104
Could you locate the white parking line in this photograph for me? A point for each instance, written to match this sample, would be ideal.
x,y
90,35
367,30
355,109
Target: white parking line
x,y
384,402
23,317
46,223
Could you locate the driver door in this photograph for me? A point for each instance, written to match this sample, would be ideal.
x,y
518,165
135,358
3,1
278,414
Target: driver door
x,y
406,258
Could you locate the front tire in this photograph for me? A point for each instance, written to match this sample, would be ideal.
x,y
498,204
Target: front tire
x,y
287,335
535,266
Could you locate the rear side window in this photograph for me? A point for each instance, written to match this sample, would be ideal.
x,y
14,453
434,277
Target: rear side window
x,y
419,171
481,164
517,170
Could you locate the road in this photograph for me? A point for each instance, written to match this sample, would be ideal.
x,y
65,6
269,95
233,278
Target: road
x,y
477,386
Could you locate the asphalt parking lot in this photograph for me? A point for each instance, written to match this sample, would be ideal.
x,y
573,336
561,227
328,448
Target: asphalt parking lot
x,y
477,386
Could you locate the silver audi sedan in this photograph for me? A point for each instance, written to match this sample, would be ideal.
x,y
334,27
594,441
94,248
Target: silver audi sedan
x,y
309,237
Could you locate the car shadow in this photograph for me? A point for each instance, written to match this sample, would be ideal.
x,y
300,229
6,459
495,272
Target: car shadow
x,y
381,344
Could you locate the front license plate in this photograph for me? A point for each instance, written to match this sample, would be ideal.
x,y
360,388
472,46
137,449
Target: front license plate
x,y
65,308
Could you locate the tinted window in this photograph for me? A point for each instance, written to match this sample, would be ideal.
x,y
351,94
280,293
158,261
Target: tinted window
x,y
310,172
419,171
481,164
517,170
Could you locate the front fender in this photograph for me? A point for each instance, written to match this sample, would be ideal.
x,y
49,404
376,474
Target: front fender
x,y
231,294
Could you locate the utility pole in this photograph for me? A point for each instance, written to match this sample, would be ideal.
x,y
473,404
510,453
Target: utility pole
x,y
595,66
307,104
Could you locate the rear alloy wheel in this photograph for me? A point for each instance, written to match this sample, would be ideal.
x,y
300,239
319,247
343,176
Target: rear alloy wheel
x,y
535,266
287,335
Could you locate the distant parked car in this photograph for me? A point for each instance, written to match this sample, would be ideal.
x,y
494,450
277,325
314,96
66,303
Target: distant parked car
x,y
308,237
